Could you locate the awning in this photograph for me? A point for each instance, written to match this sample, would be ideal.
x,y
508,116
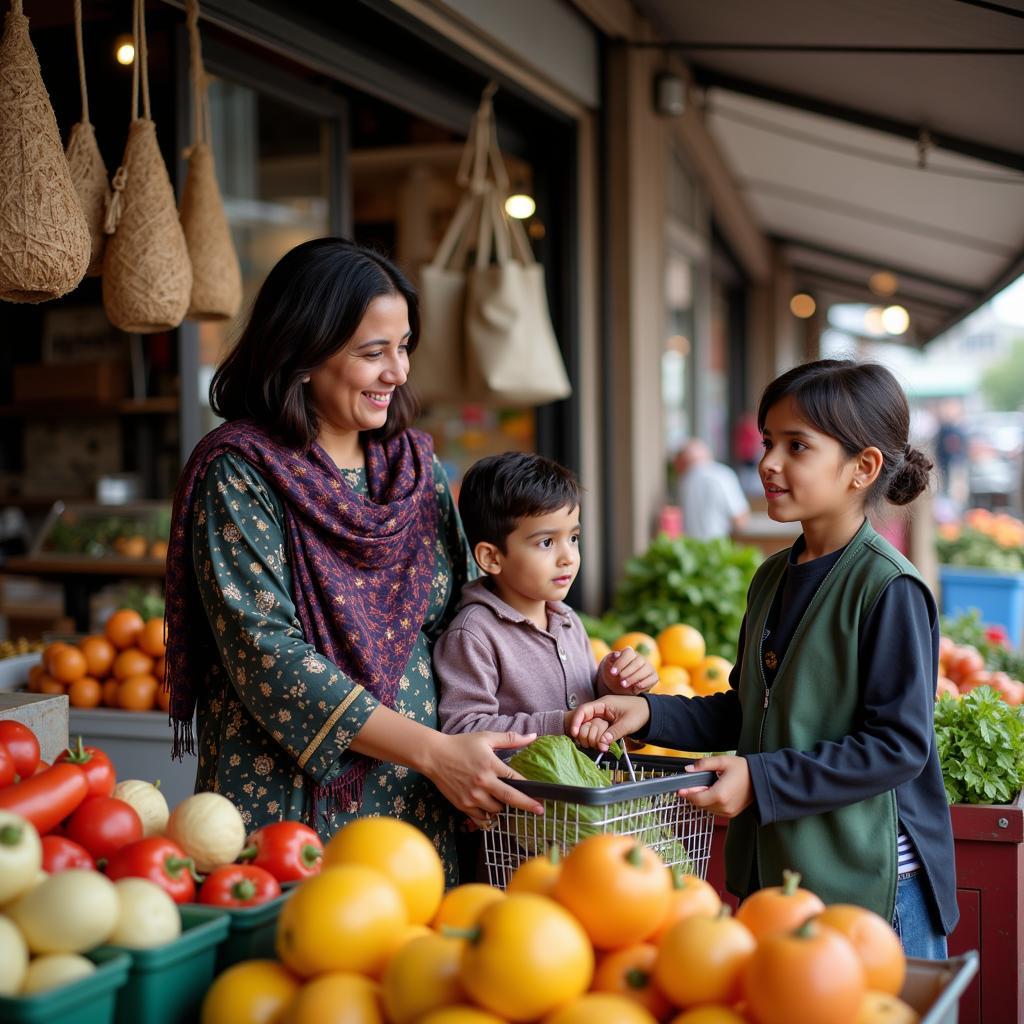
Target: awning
x,y
875,135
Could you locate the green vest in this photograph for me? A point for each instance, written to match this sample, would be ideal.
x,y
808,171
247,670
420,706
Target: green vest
x,y
847,855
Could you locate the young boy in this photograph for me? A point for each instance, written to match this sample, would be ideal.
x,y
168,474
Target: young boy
x,y
516,658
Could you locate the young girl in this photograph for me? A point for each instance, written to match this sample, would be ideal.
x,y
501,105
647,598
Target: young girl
x,y
830,708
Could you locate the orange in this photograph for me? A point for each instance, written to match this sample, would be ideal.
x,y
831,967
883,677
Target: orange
x,y
399,851
600,649
35,673
137,693
400,939
159,667
422,976
111,688
709,1015
461,906
642,644
529,956
690,895
343,919
85,692
67,664
874,941
251,992
163,697
461,1015
49,651
673,679
778,909
340,997
124,627
99,655
711,675
538,874
883,1008
49,685
681,645
151,639
131,662
158,549
629,972
614,871
601,1006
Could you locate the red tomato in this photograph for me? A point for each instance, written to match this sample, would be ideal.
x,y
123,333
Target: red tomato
x,y
99,772
42,767
161,861
289,850
7,770
60,854
47,798
22,745
239,885
103,824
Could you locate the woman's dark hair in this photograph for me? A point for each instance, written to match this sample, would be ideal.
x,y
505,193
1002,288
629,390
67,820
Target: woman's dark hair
x,y
861,405
499,490
308,308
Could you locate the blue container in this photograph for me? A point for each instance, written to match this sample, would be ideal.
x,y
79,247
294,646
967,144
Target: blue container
x,y
998,596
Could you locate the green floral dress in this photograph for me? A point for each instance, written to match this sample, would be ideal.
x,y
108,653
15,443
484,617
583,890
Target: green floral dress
x,y
286,718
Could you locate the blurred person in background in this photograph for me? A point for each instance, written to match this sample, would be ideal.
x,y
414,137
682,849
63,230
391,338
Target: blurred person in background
x,y
709,494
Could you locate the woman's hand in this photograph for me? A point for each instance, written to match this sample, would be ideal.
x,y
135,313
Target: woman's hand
x,y
625,672
470,775
732,793
599,723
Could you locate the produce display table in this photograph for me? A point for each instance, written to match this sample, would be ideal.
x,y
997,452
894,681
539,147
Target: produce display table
x,y
989,847
989,844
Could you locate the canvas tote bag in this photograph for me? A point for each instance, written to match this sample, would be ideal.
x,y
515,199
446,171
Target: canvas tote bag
x,y
486,333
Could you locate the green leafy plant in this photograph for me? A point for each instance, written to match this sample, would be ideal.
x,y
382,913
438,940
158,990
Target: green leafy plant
x,y
974,549
702,583
980,741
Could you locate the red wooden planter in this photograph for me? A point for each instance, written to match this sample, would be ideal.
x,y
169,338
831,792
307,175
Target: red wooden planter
x,y
989,847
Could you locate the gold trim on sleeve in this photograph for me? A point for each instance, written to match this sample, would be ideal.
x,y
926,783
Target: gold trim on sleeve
x,y
330,724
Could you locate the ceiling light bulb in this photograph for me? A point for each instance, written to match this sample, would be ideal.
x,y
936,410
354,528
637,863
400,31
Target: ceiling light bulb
x,y
895,319
520,206
125,51
802,305
883,283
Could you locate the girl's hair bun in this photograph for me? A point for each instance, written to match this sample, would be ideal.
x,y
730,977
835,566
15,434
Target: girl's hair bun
x,y
910,478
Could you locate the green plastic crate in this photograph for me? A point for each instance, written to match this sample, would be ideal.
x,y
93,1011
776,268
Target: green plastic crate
x,y
90,1000
251,931
166,984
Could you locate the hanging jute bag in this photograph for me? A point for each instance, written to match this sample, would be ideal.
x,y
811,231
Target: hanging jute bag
x,y
88,172
486,333
216,276
147,276
44,238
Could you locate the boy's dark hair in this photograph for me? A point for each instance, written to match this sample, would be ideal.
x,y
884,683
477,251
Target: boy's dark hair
x,y
308,308
498,491
861,405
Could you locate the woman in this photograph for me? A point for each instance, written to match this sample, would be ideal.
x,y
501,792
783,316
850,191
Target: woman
x,y
315,554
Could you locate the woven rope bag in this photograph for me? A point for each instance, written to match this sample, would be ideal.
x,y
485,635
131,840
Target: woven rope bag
x,y
44,239
216,276
88,172
147,276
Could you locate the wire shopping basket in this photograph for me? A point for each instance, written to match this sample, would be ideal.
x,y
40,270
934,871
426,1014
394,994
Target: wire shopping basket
x,y
642,801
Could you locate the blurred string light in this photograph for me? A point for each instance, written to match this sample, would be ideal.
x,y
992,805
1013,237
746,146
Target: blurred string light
x,y
125,50
883,283
520,206
895,319
802,305
873,321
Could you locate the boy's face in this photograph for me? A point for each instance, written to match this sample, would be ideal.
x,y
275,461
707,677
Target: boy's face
x,y
540,560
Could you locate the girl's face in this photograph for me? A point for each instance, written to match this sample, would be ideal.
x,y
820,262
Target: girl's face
x,y
806,474
353,389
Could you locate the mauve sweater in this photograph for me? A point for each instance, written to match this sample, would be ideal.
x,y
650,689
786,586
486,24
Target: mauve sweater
x,y
497,670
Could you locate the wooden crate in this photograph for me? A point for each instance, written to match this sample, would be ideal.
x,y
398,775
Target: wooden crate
x,y
99,381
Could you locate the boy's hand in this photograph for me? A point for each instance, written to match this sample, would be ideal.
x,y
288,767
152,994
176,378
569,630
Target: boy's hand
x,y
617,717
732,793
627,672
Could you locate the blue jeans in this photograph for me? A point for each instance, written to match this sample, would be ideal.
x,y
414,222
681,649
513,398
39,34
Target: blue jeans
x,y
915,920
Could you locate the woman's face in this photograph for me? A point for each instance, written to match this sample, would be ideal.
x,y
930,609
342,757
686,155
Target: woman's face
x,y
353,389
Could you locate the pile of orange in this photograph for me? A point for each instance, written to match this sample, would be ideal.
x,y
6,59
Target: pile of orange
x,y
679,655
123,667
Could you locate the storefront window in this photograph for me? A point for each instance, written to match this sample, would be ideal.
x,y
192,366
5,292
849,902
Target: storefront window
x,y
274,166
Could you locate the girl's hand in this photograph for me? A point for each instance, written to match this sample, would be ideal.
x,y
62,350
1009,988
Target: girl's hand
x,y
469,775
627,672
732,793
620,716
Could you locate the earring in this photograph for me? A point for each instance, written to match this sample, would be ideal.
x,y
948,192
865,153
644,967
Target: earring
x,y
305,380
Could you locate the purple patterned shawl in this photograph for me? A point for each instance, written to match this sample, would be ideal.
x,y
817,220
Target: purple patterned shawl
x,y
362,567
